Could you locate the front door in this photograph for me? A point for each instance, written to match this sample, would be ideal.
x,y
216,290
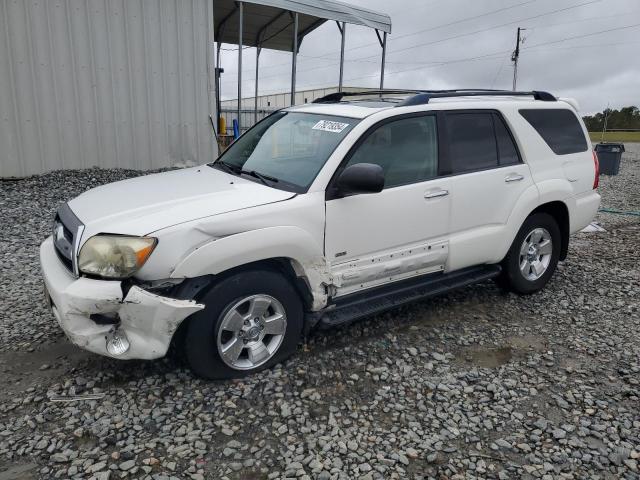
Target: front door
x,y
373,239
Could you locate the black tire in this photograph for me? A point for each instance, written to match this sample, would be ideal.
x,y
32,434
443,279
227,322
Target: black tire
x,y
512,278
200,347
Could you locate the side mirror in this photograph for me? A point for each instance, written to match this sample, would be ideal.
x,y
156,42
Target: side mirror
x,y
361,178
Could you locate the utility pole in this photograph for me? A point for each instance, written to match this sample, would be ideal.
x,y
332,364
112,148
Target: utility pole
x,y
514,58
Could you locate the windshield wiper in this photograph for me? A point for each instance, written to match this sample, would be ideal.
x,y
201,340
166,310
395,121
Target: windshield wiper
x,y
229,167
260,176
237,170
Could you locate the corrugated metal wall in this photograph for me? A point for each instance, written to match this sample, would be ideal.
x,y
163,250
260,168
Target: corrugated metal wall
x,y
107,83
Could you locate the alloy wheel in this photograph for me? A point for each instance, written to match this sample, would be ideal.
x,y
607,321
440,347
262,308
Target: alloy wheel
x,y
535,254
251,332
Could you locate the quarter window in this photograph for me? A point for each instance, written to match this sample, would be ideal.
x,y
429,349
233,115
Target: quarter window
x,y
507,151
559,128
406,149
472,142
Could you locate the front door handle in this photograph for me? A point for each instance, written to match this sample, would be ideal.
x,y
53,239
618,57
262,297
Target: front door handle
x,y
436,193
514,177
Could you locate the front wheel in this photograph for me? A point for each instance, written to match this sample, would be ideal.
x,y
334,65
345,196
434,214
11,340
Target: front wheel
x,y
533,255
252,320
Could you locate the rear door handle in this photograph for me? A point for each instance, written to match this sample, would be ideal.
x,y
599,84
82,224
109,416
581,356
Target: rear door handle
x,y
436,193
514,177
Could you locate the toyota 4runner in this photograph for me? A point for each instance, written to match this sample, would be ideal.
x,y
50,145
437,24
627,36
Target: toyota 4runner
x,y
318,215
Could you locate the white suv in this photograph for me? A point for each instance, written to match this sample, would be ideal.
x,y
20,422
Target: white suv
x,y
318,215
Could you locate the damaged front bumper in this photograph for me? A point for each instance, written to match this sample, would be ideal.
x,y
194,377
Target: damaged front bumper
x,y
146,322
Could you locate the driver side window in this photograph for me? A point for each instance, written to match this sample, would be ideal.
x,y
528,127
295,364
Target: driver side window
x,y
406,149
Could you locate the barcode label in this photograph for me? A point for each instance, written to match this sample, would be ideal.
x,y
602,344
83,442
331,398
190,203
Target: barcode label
x,y
328,126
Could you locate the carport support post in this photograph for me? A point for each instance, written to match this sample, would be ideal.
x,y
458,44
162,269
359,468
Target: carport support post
x,y
343,31
384,57
218,86
241,21
255,102
294,58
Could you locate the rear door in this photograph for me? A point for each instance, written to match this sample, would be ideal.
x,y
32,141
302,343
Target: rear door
x,y
487,178
373,239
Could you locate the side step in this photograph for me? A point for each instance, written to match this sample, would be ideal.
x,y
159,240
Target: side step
x,y
358,305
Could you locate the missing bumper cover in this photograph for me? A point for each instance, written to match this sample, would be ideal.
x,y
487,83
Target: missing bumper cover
x,y
105,318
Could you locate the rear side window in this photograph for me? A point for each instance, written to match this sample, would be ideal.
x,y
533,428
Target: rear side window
x,y
472,142
559,128
507,151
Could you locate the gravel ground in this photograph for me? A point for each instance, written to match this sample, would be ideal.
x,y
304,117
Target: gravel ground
x,y
475,384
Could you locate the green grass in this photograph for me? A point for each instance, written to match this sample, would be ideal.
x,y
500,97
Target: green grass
x,y
615,136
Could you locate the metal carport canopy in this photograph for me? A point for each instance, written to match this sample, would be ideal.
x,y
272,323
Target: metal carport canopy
x,y
267,23
282,24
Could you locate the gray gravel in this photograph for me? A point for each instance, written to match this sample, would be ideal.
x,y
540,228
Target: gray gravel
x,y
476,384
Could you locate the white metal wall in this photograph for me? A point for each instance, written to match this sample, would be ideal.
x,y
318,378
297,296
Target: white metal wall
x,y
107,83
281,100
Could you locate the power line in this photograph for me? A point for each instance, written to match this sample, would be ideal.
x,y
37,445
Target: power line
x,y
514,22
328,57
566,39
592,45
581,20
437,27
448,38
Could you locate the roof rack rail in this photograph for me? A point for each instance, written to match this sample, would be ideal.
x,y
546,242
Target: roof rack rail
x,y
425,96
338,96
421,97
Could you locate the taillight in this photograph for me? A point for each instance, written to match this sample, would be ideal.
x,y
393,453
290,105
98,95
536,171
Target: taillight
x,y
596,163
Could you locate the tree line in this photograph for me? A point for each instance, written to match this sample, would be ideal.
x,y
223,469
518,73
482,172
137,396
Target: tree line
x,y
625,118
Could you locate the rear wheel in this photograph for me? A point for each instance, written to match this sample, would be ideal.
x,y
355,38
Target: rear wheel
x,y
252,320
533,255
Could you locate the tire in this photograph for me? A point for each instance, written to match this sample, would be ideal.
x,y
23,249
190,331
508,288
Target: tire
x,y
526,270
244,307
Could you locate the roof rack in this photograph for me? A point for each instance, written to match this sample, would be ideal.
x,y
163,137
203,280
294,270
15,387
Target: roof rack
x,y
338,96
421,97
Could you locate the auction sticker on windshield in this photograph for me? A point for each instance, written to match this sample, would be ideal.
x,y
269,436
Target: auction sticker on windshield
x,y
328,126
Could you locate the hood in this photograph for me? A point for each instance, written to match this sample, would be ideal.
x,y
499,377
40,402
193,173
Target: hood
x,y
142,205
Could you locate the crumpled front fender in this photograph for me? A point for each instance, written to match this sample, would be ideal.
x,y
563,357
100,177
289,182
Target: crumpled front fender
x,y
148,320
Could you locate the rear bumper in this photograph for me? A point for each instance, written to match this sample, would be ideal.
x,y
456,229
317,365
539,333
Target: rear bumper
x,y
147,320
583,211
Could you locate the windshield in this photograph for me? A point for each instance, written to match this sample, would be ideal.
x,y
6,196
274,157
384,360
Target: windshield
x,y
287,149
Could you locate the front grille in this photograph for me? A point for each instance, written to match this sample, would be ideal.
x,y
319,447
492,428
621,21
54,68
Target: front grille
x,y
66,230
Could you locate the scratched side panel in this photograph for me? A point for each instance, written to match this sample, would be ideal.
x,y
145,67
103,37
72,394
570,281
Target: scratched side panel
x,y
389,266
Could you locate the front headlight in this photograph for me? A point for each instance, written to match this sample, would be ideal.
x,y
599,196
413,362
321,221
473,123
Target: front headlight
x,y
115,256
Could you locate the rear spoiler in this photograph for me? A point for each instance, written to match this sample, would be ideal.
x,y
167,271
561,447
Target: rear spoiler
x,y
571,101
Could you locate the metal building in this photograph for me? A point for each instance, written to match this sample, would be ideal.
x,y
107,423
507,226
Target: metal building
x,y
115,83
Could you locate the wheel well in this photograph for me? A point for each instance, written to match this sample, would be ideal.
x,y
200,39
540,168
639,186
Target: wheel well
x,y
560,212
283,265
192,288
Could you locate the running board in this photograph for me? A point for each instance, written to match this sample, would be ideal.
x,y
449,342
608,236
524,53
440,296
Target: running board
x,y
358,305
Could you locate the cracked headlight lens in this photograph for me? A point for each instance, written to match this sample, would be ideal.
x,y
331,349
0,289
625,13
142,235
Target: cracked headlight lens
x,y
115,256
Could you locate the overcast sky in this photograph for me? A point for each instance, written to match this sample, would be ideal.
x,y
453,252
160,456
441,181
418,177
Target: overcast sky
x,y
462,44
